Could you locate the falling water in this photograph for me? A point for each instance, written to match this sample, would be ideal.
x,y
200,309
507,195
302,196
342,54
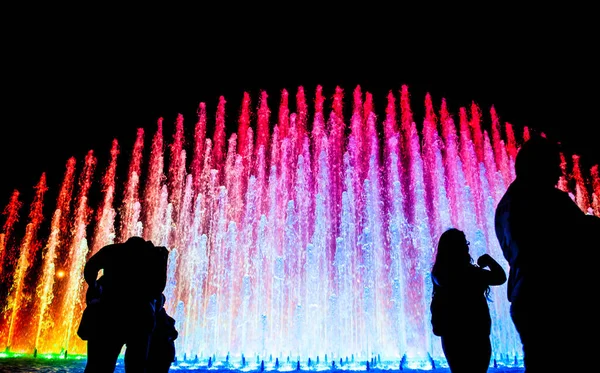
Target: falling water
x,y
45,292
27,252
294,237
7,256
72,301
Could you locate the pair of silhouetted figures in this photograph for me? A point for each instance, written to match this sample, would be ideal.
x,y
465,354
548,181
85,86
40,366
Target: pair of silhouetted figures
x,y
551,247
125,307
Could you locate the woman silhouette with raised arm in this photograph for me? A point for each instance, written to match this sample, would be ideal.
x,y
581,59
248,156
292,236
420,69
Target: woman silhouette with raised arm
x,y
459,309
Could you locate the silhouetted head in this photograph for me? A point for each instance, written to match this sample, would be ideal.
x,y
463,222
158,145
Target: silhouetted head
x,y
138,243
136,240
452,249
538,162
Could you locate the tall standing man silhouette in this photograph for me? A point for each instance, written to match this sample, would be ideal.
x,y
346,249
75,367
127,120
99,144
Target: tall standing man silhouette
x,y
549,243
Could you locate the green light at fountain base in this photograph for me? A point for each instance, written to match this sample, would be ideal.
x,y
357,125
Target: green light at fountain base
x,y
53,356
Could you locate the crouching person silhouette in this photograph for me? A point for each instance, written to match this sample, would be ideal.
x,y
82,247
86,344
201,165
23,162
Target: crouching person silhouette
x,y
122,304
459,311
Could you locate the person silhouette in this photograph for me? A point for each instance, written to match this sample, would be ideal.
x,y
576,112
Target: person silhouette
x,y
123,302
544,235
459,311
162,344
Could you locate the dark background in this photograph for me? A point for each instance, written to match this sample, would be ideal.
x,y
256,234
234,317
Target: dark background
x,y
73,83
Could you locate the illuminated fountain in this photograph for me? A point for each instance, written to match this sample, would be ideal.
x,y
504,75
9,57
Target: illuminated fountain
x,y
295,238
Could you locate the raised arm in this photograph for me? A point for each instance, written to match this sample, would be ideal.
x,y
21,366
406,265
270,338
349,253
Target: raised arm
x,y
496,274
157,266
97,262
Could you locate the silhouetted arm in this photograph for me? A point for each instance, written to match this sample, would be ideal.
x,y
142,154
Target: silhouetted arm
x,y
578,229
97,262
163,268
158,276
495,275
567,209
593,223
542,224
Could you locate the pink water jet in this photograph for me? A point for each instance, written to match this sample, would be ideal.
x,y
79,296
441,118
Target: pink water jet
x,y
297,235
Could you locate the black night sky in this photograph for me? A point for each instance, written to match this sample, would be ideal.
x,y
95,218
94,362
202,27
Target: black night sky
x,y
69,86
